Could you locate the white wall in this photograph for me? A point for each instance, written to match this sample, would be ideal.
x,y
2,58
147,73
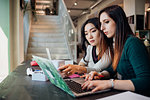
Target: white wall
x,y
134,7
16,35
21,37
129,7
3,55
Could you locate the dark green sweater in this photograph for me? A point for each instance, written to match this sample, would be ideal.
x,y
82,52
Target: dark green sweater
x,y
134,65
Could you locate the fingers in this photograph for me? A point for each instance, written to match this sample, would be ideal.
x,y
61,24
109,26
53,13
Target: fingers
x,y
91,84
96,77
83,76
85,85
63,67
87,77
95,89
67,70
91,76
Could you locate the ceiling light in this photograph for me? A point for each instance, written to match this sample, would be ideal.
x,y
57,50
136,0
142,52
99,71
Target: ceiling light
x,y
51,12
69,11
75,3
148,9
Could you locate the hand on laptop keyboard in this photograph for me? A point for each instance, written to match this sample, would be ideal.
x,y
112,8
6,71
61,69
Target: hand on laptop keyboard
x,y
93,75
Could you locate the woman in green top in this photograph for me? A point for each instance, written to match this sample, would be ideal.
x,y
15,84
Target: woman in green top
x,y
130,60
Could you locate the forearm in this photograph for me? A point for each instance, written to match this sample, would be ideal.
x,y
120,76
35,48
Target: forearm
x,y
123,85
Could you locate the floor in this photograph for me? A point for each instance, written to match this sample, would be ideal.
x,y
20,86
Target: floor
x,y
2,77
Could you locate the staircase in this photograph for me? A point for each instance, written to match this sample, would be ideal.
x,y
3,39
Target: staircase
x,y
47,32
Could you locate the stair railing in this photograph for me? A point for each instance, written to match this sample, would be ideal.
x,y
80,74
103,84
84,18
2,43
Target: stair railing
x,y
27,25
69,30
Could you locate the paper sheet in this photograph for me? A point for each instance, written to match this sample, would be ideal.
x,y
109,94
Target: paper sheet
x,y
126,96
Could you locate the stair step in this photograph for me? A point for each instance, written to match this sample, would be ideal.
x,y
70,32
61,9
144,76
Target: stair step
x,y
47,39
47,17
48,20
51,45
52,35
46,30
47,26
54,56
45,23
52,50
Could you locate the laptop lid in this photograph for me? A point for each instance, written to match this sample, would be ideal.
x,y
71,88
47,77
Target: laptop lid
x,y
52,74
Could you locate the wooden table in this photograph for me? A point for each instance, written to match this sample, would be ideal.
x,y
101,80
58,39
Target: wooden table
x,y
19,86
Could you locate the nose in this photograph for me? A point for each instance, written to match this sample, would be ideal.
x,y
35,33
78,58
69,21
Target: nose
x,y
89,35
102,27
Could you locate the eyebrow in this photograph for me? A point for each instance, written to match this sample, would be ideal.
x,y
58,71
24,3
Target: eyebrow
x,y
90,29
105,20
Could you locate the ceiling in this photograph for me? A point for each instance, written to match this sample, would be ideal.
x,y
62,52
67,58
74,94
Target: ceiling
x,y
76,11
82,7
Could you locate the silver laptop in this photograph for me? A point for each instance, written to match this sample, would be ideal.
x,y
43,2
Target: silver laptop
x,y
70,86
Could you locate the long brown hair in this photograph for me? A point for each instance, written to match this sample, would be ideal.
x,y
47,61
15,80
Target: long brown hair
x,y
122,31
103,38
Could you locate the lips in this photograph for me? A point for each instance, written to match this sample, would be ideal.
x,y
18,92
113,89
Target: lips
x,y
106,33
91,41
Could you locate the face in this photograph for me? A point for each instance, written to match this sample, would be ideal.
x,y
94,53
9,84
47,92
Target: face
x,y
92,34
108,26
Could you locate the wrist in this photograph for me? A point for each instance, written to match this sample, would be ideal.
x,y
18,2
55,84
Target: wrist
x,y
82,69
112,83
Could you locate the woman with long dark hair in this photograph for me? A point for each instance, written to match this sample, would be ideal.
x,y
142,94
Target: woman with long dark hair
x,y
96,58
130,60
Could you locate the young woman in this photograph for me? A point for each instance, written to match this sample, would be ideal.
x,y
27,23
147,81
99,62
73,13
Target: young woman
x,y
130,60
96,58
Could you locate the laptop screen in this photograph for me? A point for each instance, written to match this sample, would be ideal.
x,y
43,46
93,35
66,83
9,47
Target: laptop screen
x,y
52,74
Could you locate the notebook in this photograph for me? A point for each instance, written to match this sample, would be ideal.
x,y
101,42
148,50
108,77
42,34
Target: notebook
x,y
55,78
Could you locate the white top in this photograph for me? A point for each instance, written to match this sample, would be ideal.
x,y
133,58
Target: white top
x,y
104,62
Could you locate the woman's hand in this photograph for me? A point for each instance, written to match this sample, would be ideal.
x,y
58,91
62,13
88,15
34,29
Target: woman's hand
x,y
92,75
71,69
97,85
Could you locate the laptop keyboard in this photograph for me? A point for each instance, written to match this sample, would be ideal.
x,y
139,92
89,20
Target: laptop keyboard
x,y
76,87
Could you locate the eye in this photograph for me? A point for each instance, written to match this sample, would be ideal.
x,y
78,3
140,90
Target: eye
x,y
93,30
107,22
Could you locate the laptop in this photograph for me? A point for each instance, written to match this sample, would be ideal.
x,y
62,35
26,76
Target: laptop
x,y
70,86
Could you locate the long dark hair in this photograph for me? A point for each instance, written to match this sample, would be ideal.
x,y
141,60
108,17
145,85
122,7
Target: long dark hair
x,y
103,38
122,31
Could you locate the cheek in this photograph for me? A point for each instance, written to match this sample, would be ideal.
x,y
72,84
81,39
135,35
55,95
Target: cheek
x,y
86,37
97,37
112,29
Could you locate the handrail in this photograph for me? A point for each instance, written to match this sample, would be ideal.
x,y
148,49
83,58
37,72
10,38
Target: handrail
x,y
27,25
70,31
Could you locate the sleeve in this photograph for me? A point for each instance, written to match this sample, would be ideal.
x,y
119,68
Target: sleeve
x,y
139,59
103,63
85,60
